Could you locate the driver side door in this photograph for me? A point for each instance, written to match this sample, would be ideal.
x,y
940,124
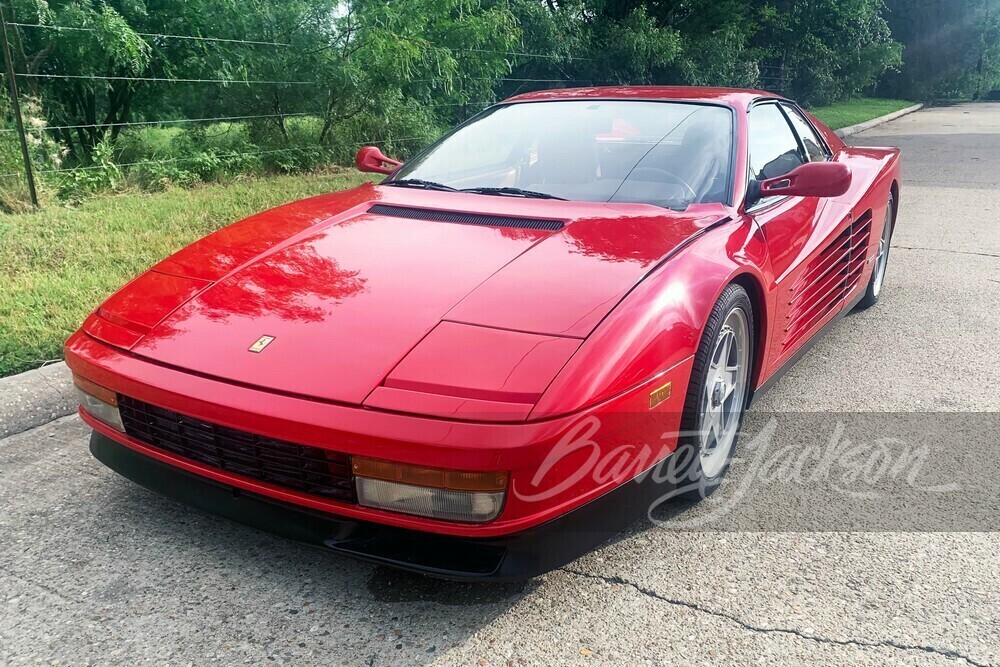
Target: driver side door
x,y
801,235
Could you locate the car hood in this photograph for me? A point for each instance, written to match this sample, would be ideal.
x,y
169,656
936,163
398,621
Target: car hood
x,y
325,297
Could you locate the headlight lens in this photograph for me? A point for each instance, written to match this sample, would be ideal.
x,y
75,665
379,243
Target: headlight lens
x,y
449,495
99,402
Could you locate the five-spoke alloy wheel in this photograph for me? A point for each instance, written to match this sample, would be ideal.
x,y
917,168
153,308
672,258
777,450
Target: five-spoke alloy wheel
x,y
717,395
725,393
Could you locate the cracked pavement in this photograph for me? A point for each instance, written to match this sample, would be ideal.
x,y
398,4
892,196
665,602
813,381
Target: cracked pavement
x,y
96,570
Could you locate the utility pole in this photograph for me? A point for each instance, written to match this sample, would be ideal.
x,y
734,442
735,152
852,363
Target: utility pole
x,y
15,98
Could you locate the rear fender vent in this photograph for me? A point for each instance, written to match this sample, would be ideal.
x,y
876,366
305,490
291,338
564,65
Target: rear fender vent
x,y
465,218
828,280
861,231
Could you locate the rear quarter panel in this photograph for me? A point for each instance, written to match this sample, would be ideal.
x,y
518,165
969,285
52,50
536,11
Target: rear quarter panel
x,y
875,174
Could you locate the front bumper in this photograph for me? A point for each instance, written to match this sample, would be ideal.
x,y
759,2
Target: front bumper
x,y
555,465
512,557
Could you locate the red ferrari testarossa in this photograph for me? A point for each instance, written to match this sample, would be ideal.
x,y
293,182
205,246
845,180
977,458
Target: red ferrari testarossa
x,y
470,369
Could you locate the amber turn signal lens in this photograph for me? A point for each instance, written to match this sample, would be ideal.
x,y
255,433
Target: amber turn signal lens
x,y
95,390
99,402
436,478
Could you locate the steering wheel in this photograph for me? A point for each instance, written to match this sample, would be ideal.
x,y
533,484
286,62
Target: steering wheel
x,y
657,174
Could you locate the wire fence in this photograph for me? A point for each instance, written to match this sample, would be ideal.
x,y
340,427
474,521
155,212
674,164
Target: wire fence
x,y
194,158
146,123
154,35
30,135
776,78
251,42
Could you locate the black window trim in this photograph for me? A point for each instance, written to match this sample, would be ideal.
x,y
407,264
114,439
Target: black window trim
x,y
769,201
827,153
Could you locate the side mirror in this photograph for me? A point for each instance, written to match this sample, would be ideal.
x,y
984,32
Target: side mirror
x,y
813,179
370,159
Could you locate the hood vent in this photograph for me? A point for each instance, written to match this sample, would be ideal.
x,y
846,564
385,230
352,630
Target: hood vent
x,y
465,218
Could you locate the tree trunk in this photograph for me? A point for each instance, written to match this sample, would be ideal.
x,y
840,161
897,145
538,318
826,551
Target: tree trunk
x,y
328,120
281,117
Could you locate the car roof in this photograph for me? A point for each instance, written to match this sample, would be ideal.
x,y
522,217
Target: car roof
x,y
738,97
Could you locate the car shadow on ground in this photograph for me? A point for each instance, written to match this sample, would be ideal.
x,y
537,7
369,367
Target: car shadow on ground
x,y
286,589
388,584
146,509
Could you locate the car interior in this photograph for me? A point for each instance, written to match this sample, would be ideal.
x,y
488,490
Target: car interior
x,y
668,155
689,165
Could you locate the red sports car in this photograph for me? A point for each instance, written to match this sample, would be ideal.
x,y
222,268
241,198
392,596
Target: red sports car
x,y
471,368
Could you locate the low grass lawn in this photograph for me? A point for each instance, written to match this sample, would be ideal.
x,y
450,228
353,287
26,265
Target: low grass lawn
x,y
58,264
852,112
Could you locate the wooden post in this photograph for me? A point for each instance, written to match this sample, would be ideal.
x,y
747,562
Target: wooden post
x,y
15,98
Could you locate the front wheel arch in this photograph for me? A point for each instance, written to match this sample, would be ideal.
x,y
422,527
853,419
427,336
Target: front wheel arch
x,y
654,328
689,465
755,290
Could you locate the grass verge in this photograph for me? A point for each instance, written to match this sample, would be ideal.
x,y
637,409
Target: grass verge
x,y
852,112
58,264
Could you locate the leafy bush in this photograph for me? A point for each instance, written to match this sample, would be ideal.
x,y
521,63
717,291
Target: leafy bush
x,y
104,174
46,154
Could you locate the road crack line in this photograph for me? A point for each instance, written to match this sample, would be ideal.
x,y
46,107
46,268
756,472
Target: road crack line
x,y
954,252
886,643
41,587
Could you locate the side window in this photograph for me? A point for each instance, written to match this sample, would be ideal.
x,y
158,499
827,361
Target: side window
x,y
810,140
774,150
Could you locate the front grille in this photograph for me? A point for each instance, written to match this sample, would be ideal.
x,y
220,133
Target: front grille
x,y
311,470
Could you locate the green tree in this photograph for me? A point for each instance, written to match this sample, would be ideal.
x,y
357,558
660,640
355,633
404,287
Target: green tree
x,y
825,49
105,45
951,48
338,59
817,51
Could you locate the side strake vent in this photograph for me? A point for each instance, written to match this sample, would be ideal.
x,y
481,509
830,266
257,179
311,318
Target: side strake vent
x,y
828,279
465,218
861,231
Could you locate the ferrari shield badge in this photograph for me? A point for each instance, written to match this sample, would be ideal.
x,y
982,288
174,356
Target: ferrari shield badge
x,y
261,343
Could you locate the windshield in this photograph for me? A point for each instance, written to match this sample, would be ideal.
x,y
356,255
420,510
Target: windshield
x,y
662,153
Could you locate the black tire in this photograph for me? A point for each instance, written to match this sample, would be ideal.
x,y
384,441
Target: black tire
x,y
873,292
691,481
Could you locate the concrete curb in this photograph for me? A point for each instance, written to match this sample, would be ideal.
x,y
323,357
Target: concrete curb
x,y
35,398
845,132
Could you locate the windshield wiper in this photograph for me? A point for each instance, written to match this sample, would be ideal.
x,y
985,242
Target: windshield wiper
x,y
420,183
512,192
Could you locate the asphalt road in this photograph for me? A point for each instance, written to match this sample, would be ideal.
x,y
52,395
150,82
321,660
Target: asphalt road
x,y
95,570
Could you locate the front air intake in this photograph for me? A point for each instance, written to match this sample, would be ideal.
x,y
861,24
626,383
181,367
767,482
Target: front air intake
x,y
465,218
318,472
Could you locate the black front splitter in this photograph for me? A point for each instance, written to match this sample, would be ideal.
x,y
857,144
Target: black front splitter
x,y
512,557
